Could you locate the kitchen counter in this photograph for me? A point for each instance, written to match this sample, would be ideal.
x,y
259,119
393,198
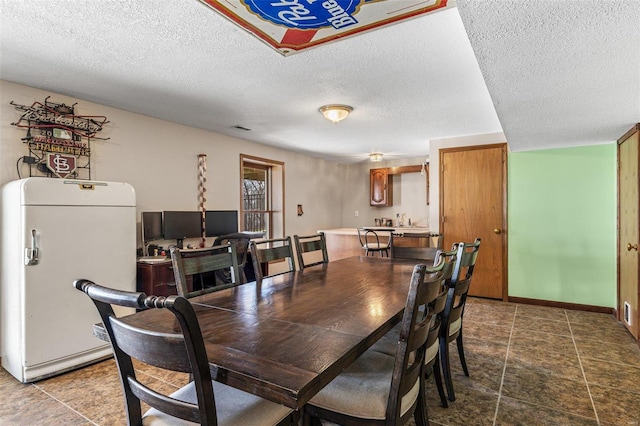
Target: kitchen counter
x,y
354,231
343,242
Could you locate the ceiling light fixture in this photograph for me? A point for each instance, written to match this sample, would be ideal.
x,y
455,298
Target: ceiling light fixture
x,y
375,157
335,112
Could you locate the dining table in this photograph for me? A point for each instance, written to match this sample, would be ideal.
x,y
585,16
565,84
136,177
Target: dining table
x,y
287,336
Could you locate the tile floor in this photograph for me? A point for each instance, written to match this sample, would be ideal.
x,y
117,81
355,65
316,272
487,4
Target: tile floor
x,y
529,365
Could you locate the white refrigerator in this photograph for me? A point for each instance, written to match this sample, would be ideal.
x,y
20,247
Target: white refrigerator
x,y
53,232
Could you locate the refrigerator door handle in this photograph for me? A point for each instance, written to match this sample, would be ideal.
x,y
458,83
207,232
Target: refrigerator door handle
x,y
31,254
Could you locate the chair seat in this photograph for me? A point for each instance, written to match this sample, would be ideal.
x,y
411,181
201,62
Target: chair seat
x,y
376,246
388,345
233,407
362,390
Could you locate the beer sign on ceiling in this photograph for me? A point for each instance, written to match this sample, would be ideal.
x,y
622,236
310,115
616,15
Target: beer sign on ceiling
x,y
290,26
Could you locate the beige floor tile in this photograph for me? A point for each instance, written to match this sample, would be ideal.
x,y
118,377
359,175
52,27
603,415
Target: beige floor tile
x,y
482,331
623,377
471,407
544,341
547,390
512,412
543,325
616,406
625,353
563,364
544,312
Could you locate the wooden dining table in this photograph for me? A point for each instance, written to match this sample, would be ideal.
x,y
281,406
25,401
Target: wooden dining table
x,y
288,336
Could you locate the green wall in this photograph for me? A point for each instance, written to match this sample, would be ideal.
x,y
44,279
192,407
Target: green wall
x,y
562,225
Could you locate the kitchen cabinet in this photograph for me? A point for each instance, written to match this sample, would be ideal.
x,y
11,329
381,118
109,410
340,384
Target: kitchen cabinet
x,y
381,187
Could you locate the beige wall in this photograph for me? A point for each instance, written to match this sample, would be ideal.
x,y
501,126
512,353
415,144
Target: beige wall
x,y
409,194
160,160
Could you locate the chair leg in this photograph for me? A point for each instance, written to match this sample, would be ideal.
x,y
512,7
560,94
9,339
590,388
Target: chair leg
x,y
461,353
420,415
437,375
446,368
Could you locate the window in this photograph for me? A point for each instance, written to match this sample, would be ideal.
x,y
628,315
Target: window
x,y
262,186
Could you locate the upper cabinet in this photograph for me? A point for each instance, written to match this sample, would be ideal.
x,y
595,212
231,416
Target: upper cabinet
x,y
381,183
381,187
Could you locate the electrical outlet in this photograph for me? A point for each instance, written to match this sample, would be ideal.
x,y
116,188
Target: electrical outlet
x,y
357,213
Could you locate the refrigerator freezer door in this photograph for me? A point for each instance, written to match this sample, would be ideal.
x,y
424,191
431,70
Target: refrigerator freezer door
x,y
73,242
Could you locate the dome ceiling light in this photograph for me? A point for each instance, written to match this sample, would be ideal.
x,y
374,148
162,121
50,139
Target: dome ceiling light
x,y
335,112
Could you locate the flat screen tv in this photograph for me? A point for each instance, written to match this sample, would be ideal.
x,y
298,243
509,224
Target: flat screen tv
x,y
221,222
180,225
151,226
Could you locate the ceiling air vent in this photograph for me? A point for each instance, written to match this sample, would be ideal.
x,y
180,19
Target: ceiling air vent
x,y
241,128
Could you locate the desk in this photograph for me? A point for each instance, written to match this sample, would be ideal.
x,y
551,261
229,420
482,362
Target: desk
x,y
287,337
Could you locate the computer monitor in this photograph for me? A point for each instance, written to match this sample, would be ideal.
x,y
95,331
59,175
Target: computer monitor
x,y
180,225
221,222
151,226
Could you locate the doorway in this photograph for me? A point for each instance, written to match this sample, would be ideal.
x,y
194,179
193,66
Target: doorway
x,y
473,204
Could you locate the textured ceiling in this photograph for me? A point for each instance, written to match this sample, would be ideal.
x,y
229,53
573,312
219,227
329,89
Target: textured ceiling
x,y
559,73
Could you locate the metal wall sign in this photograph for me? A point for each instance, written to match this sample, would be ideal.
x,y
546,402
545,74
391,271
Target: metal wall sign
x,y
61,165
290,26
59,141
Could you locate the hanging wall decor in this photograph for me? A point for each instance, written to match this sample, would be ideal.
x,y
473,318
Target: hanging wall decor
x,y
202,179
58,140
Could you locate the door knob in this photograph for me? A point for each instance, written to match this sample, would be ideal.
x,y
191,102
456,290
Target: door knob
x,y
630,247
497,230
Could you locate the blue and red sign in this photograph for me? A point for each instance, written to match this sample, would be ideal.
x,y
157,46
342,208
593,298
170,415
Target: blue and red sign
x,y
306,15
290,26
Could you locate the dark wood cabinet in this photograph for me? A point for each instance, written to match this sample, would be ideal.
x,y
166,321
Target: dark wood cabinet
x,y
381,187
157,278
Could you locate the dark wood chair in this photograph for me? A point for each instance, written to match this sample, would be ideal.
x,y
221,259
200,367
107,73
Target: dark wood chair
x,y
199,263
373,243
240,241
311,244
458,287
378,389
422,246
266,251
389,343
202,401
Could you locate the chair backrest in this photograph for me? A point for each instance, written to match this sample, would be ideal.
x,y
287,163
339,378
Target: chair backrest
x,y
201,261
309,244
240,241
415,245
408,374
444,263
265,251
466,256
183,351
372,240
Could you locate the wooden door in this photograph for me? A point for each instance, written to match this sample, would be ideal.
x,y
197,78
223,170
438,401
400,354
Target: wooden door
x,y
473,190
628,232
